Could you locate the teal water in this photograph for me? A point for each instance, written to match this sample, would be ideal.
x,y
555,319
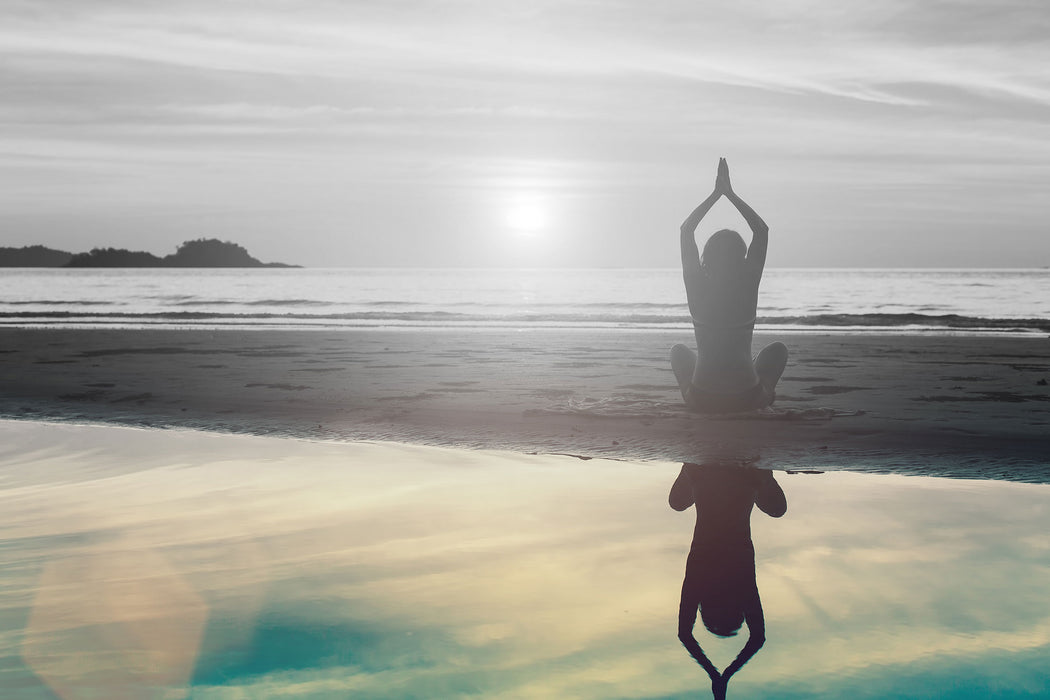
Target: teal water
x,y
141,563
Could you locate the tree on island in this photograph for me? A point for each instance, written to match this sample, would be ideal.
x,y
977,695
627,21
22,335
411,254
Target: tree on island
x,y
210,252
33,256
114,257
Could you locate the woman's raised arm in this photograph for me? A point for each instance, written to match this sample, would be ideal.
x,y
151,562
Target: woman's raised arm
x,y
756,252
690,251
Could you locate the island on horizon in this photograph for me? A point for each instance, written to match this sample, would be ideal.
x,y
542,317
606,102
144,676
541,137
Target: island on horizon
x,y
202,252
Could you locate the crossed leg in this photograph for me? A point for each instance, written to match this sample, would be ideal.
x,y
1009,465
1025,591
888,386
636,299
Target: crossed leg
x,y
769,365
683,362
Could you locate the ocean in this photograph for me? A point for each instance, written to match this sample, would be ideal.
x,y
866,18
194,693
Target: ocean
x,y
911,301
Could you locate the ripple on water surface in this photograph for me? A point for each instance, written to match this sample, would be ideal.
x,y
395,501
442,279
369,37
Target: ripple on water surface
x,y
146,564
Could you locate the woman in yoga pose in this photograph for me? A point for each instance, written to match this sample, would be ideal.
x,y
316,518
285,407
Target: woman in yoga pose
x,y
722,289
720,571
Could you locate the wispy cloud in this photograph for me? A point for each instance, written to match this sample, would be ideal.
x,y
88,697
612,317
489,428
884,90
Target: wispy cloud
x,y
625,92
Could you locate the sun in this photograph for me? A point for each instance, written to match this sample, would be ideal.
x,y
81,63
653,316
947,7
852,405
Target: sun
x,y
527,215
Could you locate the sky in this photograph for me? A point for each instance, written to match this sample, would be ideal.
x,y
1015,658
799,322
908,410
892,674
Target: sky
x,y
576,133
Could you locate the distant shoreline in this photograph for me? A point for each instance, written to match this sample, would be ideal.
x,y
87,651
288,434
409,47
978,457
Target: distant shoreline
x,y
200,253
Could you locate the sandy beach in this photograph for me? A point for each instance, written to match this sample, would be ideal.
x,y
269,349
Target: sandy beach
x,y
968,406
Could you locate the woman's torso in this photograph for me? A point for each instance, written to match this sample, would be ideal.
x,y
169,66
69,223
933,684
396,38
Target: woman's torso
x,y
724,323
724,497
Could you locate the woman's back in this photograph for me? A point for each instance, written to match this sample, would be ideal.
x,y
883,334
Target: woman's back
x,y
723,324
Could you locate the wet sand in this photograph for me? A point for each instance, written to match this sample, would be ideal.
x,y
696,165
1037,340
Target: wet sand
x,y
959,406
147,564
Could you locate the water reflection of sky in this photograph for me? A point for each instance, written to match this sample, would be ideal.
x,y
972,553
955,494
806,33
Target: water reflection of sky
x,y
176,564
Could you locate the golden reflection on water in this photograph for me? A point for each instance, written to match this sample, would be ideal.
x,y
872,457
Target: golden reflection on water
x,y
145,564
113,621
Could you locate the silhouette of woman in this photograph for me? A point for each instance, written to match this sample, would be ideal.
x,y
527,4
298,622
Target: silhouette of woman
x,y
720,571
722,290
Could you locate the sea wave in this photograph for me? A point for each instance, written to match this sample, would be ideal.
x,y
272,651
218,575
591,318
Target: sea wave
x,y
918,320
56,302
609,318
254,302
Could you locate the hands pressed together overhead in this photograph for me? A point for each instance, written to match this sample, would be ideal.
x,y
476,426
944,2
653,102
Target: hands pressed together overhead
x,y
722,184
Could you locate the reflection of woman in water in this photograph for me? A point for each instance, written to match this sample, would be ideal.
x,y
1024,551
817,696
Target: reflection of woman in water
x,y
720,571
722,289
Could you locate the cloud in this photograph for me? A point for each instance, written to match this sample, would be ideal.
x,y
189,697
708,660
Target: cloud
x,y
624,96
961,22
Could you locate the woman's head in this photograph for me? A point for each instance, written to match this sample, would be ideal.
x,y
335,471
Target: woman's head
x,y
727,590
724,250
722,612
724,622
